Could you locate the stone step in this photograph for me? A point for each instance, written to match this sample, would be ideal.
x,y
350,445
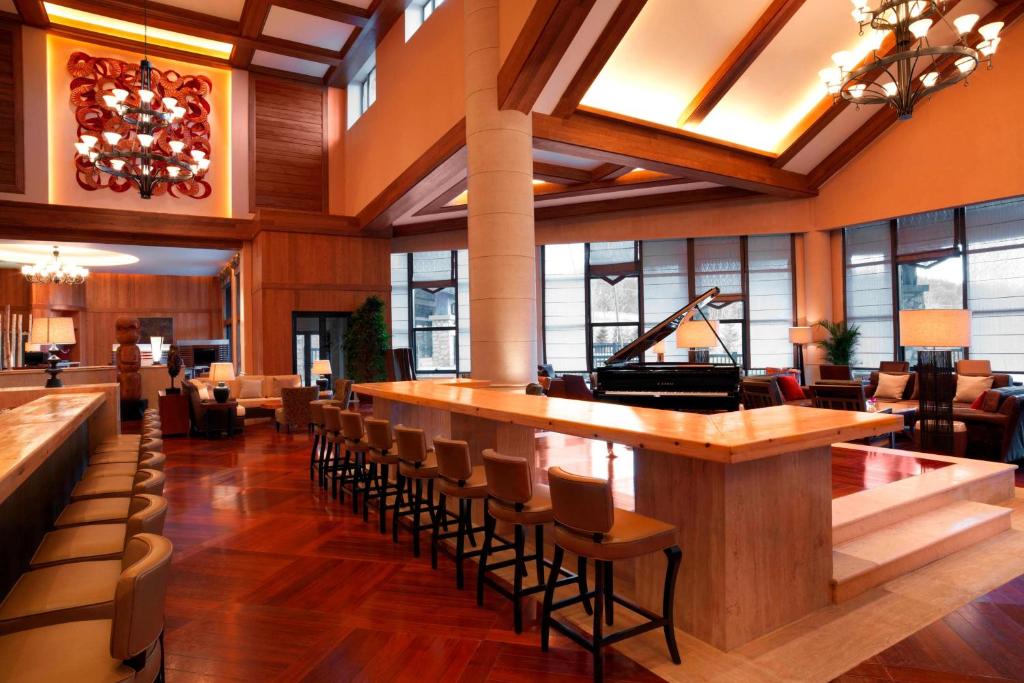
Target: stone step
x,y
884,554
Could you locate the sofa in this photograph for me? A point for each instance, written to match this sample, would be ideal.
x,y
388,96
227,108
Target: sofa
x,y
267,393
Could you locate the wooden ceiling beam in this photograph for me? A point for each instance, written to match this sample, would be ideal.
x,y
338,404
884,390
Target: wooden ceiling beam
x,y
614,31
384,15
555,173
540,46
739,60
609,172
250,25
636,145
328,9
32,13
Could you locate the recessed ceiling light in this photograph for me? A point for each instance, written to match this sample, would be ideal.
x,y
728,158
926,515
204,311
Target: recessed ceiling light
x,y
31,252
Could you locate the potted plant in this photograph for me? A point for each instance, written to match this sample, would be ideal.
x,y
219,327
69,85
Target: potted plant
x,y
841,343
366,340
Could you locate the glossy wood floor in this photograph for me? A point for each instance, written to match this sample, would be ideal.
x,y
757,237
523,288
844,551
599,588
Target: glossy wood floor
x,y
274,581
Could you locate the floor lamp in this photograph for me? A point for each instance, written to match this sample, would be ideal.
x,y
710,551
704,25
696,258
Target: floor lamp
x,y
938,331
699,335
801,336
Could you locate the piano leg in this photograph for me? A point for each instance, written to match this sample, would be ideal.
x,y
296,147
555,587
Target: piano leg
x,y
611,449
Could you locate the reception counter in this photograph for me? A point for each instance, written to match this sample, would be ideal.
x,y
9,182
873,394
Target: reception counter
x,y
45,450
750,491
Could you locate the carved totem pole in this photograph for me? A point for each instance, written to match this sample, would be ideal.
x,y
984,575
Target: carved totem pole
x,y
129,360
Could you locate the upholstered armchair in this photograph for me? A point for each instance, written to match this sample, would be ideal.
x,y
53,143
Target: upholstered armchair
x,y
294,410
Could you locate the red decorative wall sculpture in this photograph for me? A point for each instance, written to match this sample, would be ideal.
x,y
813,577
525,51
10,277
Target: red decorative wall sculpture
x,y
93,77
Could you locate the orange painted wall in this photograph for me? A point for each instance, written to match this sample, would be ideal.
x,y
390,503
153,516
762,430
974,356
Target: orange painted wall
x,y
419,98
63,188
511,17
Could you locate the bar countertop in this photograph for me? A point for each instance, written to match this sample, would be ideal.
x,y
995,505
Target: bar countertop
x,y
723,437
32,432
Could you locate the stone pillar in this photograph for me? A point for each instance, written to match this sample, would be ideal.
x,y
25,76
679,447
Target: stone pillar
x,y
502,254
817,294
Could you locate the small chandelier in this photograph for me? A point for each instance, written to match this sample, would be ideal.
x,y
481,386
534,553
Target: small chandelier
x,y
146,143
915,68
54,272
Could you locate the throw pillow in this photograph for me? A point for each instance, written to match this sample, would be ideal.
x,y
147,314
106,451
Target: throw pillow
x,y
204,392
991,400
251,388
790,388
969,388
891,385
282,382
977,402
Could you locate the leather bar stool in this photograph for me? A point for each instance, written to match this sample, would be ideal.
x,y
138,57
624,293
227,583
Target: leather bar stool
x,y
381,456
74,592
144,481
588,524
514,498
355,473
101,541
458,479
316,423
149,461
126,455
417,464
126,647
335,468
96,511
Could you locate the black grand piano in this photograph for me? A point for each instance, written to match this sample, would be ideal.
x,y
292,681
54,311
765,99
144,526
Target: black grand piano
x,y
626,379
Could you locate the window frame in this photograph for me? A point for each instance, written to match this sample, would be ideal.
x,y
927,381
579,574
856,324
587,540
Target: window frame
x,y
435,285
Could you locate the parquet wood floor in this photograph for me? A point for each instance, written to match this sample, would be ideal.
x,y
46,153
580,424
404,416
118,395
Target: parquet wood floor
x,y
274,581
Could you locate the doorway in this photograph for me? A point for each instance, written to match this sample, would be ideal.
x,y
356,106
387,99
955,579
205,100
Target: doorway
x,y
317,335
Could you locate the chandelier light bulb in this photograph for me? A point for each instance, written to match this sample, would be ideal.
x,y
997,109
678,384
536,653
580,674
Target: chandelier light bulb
x,y
121,94
917,7
173,171
844,59
987,48
117,164
194,169
112,138
965,23
966,65
929,79
203,164
198,154
920,28
82,148
179,112
110,101
169,103
177,146
991,31
93,155
890,89
146,95
858,90
145,139
90,140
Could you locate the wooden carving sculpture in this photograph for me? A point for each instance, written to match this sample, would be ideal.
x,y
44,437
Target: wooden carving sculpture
x,y
129,358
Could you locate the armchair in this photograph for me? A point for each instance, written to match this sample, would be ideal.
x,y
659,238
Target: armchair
x,y
294,410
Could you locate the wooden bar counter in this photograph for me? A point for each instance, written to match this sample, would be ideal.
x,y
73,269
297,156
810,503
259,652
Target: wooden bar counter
x,y
750,491
44,446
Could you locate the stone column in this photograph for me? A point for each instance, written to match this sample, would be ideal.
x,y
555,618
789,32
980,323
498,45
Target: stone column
x,y
502,285
817,294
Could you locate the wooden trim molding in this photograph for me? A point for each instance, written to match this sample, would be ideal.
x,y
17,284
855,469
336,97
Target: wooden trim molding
x,y
383,15
540,46
614,31
32,12
739,60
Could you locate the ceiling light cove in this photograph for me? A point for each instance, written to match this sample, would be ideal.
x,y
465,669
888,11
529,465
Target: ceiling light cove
x,y
34,252
97,23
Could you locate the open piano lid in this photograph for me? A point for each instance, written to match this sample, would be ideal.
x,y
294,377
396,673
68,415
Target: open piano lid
x,y
639,347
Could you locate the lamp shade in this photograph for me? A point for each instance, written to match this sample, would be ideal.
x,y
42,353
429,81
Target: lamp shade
x,y
322,366
801,335
156,348
936,327
697,334
48,331
222,372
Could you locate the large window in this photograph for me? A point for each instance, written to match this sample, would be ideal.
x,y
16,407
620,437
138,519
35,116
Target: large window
x,y
966,257
598,297
417,13
430,309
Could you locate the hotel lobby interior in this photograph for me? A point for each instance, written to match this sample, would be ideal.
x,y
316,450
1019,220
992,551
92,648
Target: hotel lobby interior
x,y
511,340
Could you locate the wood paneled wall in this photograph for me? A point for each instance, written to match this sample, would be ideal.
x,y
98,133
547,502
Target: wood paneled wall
x,y
287,144
15,291
302,272
12,171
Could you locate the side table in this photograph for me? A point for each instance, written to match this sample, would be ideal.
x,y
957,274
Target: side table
x,y
221,417
173,413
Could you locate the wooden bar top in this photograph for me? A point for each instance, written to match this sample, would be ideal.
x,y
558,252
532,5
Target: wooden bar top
x,y
30,433
723,437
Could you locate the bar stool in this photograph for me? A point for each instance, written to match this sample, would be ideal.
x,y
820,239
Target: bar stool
x,y
513,497
95,511
417,464
356,446
332,456
127,455
149,461
316,423
381,456
588,524
459,479
144,481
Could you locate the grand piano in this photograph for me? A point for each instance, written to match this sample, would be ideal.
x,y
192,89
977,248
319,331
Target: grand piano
x,y
626,378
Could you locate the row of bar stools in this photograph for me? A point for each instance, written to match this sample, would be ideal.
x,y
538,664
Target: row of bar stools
x,y
356,447
320,453
514,498
588,524
458,479
416,464
382,457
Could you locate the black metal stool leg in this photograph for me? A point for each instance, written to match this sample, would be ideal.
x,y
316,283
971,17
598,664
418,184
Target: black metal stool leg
x,y
549,597
312,454
581,577
383,484
517,582
598,628
675,556
435,530
609,594
399,502
538,551
460,539
489,524
417,501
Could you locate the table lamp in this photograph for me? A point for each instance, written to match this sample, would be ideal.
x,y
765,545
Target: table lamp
x,y
50,332
322,366
659,351
156,349
699,335
801,336
221,373
948,328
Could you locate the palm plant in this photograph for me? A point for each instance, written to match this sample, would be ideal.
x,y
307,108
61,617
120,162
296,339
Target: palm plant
x,y
841,343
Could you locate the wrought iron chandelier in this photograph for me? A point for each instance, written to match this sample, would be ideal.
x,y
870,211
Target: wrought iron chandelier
x,y
145,141
54,271
915,68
